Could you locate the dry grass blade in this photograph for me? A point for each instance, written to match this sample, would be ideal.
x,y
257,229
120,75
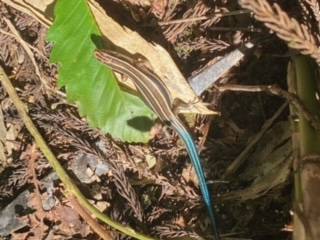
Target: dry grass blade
x,y
288,29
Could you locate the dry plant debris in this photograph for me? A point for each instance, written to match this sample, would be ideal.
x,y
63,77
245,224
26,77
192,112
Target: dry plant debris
x,y
298,36
164,200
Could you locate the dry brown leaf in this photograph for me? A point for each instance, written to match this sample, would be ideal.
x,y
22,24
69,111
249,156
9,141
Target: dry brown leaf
x,y
70,221
132,42
159,59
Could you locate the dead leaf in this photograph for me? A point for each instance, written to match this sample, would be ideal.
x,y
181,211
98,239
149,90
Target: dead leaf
x,y
70,220
132,42
159,59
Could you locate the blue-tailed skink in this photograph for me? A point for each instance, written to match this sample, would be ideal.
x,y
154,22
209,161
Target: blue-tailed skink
x,y
158,98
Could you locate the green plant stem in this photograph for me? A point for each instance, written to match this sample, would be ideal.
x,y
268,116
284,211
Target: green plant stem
x,y
70,187
307,174
306,91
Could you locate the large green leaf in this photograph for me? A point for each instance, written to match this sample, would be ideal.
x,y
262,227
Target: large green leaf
x,y
90,84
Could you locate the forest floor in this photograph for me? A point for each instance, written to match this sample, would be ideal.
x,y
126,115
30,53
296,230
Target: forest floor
x,y
152,187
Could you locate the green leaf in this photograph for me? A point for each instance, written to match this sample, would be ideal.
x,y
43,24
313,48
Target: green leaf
x,y
89,83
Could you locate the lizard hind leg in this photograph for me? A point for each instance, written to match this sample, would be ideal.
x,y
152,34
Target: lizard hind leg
x,y
179,105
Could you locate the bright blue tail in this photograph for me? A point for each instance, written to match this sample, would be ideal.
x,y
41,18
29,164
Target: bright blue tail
x,y
193,153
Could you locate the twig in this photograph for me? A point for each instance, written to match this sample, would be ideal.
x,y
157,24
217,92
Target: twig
x,y
93,224
275,90
71,188
26,48
310,159
202,18
234,166
29,10
234,29
33,157
15,37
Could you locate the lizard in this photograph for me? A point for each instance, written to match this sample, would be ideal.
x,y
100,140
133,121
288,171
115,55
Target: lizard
x,y
157,96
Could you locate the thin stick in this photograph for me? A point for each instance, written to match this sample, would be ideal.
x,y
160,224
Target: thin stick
x,y
71,189
292,98
196,19
28,9
15,37
85,215
234,29
26,48
234,166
